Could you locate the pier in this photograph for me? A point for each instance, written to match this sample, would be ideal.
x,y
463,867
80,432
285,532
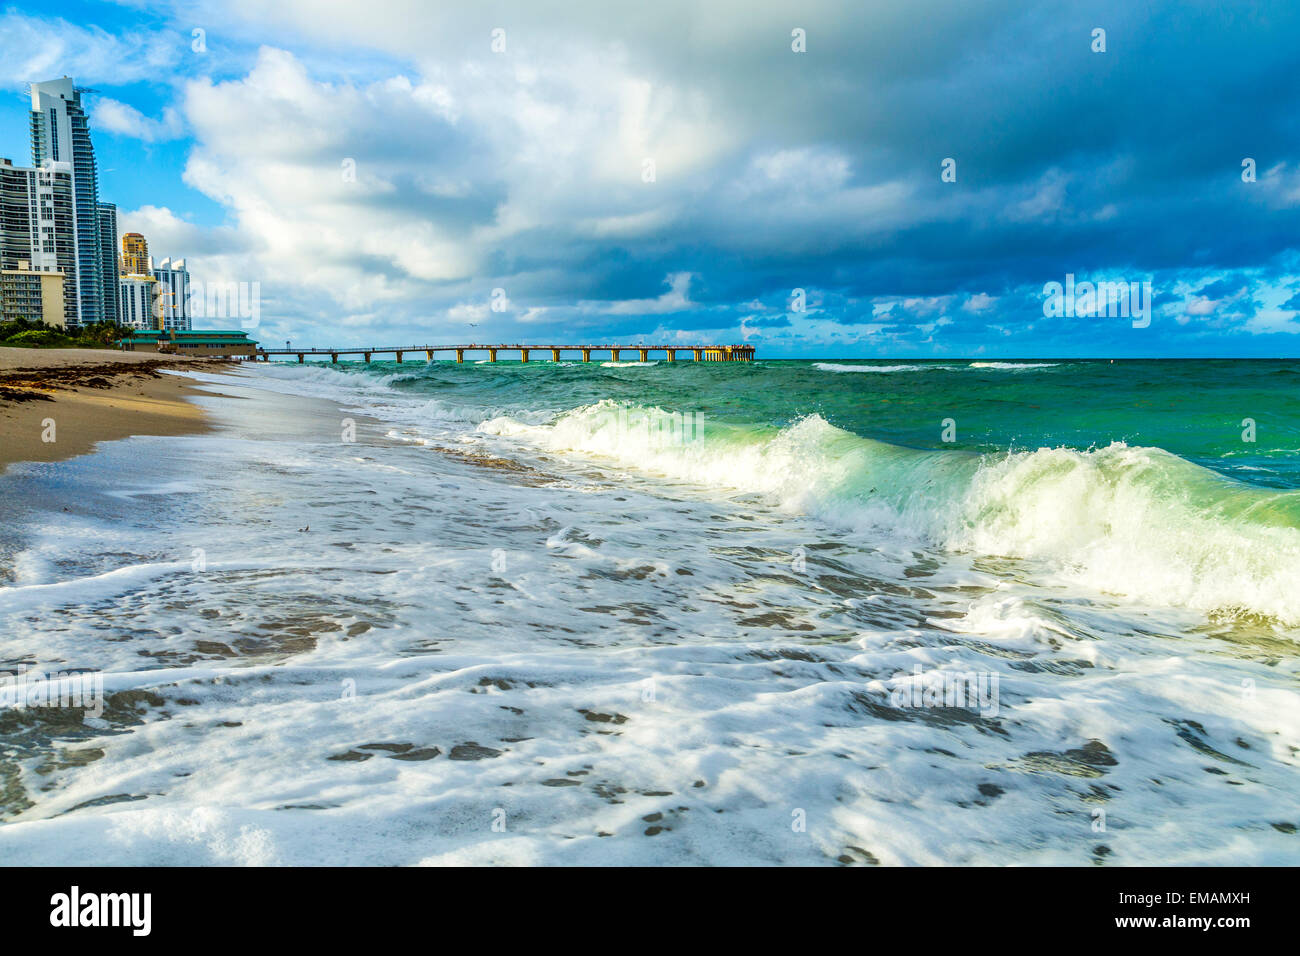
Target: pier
x,y
699,353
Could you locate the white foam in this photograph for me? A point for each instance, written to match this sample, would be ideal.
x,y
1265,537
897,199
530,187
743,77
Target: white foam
x,y
1013,365
1118,519
835,367
620,645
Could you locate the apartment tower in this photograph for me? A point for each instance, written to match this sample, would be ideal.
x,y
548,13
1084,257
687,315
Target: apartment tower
x,y
38,227
61,134
108,254
135,255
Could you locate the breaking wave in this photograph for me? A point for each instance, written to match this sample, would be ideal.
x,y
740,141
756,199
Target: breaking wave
x,y
1138,522
835,367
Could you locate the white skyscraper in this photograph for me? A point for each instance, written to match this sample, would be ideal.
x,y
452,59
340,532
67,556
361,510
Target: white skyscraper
x,y
61,134
173,292
138,302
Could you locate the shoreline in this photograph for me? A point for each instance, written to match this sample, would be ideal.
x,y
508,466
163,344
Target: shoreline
x,y
92,396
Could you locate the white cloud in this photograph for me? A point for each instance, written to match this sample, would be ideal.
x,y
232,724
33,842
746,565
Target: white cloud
x,y
927,305
38,49
468,311
410,189
1274,320
310,171
211,255
813,170
1046,199
116,117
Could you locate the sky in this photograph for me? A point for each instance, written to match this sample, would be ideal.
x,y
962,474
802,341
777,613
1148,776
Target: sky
x,y
817,179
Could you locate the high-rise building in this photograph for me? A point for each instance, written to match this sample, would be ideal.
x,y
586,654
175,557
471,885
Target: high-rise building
x,y
38,226
135,255
108,256
15,215
61,134
138,302
173,292
31,294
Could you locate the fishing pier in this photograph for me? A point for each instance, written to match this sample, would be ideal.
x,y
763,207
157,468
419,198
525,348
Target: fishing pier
x,y
699,353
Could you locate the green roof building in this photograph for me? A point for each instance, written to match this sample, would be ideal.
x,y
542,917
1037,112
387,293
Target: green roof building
x,y
201,343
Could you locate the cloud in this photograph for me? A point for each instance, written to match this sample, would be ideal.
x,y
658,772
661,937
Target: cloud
x,y
212,256
344,189
34,49
774,322
383,164
676,299
1268,321
979,303
421,189
115,117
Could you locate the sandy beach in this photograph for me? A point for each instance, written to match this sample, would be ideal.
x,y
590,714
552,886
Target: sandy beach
x,y
91,395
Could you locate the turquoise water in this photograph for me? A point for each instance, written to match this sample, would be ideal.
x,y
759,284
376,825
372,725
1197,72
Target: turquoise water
x,y
1194,409
1171,482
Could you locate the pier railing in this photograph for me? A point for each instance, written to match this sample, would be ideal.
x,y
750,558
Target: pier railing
x,y
700,353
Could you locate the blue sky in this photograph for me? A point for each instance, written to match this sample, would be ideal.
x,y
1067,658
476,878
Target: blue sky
x,y
669,173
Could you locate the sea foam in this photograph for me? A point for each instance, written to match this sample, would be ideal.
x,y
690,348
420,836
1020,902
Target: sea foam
x,y
1126,520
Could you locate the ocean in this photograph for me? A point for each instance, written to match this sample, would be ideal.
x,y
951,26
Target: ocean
x,y
801,612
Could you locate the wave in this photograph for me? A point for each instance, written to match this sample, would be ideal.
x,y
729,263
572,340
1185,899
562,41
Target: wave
x,y
627,364
833,367
323,380
1138,522
1013,364
377,392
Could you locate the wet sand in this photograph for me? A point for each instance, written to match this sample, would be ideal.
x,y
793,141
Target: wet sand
x,y
78,397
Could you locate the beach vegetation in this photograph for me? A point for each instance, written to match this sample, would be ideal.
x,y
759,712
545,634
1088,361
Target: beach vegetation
x,y
34,334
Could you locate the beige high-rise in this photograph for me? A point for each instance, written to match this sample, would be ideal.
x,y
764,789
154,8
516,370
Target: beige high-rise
x,y
135,255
